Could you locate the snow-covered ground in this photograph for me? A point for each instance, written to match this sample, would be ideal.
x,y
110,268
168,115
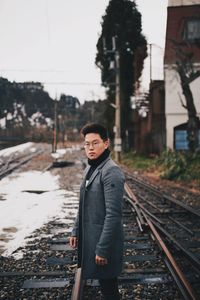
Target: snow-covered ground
x,y
19,148
27,201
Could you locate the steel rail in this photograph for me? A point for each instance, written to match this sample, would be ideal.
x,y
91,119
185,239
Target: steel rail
x,y
28,157
188,253
182,226
160,210
140,219
77,292
173,263
155,220
10,159
183,284
163,195
130,194
179,203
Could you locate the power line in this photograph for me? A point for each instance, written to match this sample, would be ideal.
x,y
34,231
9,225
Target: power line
x,y
71,83
157,46
31,70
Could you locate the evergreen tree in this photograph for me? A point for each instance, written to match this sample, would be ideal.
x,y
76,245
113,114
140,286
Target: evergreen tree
x,y
122,20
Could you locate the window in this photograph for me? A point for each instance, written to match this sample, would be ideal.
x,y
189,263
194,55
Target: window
x,y
181,142
192,30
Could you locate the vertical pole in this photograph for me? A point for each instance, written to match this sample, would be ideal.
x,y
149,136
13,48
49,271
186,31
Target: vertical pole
x,y
117,106
118,142
55,126
150,57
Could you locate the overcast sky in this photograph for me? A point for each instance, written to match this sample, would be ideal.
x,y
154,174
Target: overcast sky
x,y
54,41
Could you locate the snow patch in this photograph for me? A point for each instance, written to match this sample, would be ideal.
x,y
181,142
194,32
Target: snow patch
x,y
18,148
22,212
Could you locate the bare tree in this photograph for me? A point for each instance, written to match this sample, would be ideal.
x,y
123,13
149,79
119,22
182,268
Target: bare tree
x,y
187,74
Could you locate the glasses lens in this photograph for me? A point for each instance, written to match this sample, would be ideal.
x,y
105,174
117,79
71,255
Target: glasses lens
x,y
93,145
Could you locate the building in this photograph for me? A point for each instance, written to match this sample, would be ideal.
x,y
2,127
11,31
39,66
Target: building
x,y
149,132
156,117
182,36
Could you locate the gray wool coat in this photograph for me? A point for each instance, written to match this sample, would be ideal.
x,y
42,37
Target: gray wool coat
x,y
98,224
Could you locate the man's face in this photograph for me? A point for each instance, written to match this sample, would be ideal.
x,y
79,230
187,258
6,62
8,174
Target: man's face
x,y
94,145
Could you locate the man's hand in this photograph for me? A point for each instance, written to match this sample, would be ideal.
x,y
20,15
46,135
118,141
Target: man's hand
x,y
101,261
73,241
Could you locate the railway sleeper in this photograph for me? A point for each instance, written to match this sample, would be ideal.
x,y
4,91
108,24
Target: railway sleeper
x,y
45,283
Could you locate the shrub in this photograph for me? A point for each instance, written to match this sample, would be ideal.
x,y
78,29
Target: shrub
x,y
136,161
179,165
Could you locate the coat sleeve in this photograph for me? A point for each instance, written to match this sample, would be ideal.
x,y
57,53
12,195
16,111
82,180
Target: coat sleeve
x,y
113,186
76,225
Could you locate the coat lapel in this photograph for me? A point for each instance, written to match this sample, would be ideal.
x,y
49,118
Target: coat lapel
x,y
94,174
84,176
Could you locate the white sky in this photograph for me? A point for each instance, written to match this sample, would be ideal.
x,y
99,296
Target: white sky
x,y
22,212
54,41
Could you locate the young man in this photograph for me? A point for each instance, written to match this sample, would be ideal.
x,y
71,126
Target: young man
x,y
98,230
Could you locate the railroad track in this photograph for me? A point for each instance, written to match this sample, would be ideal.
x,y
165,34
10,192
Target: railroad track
x,y
161,233
47,268
151,269
178,225
153,266
16,160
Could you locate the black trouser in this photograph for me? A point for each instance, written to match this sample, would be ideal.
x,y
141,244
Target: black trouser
x,y
109,288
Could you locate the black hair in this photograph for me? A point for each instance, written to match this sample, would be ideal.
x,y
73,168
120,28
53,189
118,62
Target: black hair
x,y
95,128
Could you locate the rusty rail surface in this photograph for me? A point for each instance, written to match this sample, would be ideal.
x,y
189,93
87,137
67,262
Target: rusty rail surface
x,y
182,282
77,292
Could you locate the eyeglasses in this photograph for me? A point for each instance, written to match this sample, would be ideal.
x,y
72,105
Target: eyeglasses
x,y
94,145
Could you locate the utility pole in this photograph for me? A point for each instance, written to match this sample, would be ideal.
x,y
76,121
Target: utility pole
x,y
117,105
150,58
55,131
118,141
